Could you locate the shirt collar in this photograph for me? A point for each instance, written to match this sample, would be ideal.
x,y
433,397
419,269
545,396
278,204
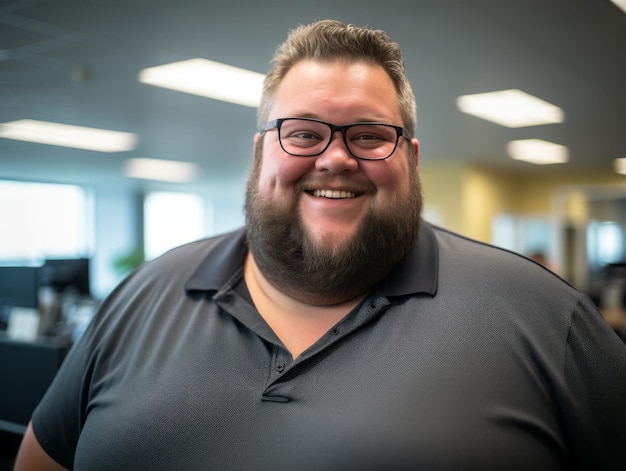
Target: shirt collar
x,y
418,273
222,262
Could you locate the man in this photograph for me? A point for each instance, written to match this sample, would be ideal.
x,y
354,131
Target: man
x,y
337,331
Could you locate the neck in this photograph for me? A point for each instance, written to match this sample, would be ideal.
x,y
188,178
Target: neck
x,y
297,323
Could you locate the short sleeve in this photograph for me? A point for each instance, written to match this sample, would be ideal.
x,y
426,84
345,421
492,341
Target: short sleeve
x,y
595,371
58,418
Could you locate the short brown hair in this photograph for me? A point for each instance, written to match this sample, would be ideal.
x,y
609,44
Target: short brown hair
x,y
328,40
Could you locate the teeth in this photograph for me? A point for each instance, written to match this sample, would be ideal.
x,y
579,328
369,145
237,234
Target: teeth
x,y
334,194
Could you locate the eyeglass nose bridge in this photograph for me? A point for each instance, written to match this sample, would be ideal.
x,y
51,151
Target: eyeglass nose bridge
x,y
342,129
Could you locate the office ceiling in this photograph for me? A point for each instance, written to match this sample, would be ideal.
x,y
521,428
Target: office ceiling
x,y
76,62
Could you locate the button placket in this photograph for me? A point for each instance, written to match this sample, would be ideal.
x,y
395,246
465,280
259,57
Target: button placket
x,y
280,361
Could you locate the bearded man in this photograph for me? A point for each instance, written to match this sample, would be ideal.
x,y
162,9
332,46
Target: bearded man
x,y
337,330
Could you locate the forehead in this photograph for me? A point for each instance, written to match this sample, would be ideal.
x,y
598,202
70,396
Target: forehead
x,y
337,88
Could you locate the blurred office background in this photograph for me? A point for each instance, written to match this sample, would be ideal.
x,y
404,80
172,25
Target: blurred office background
x,y
94,211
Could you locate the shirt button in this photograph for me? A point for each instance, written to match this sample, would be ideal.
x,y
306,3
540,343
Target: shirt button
x,y
280,366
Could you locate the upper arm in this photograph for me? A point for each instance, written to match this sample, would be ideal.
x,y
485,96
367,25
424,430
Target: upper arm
x,y
32,457
595,413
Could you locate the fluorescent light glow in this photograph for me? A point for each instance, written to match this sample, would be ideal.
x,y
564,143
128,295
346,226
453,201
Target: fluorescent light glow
x,y
511,108
162,170
537,151
620,4
620,165
209,79
66,135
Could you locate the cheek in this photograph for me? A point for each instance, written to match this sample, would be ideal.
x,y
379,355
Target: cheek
x,y
279,170
390,177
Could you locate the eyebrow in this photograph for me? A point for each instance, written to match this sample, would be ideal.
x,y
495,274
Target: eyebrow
x,y
357,121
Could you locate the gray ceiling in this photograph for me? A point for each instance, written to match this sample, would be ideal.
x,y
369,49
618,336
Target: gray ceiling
x,y
569,52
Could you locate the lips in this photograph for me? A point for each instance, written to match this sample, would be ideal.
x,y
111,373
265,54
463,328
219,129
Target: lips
x,y
333,194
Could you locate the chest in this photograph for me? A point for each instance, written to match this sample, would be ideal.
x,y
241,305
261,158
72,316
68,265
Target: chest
x,y
372,394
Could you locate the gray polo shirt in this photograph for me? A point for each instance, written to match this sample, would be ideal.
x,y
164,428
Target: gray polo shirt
x,y
465,357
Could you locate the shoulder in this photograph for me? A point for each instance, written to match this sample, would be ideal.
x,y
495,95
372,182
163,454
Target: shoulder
x,y
162,281
468,255
494,275
153,297
181,262
185,255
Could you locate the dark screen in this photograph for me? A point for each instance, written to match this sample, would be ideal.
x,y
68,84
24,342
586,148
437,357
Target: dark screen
x,y
19,286
66,274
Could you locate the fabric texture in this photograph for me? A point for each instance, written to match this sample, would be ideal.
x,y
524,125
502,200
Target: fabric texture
x,y
465,357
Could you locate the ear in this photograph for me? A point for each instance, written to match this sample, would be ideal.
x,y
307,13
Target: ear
x,y
416,148
256,150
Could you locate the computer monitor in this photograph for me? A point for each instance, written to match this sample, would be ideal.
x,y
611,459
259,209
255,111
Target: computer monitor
x,y
19,288
67,274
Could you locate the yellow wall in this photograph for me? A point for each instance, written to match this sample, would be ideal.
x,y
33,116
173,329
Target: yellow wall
x,y
441,184
467,198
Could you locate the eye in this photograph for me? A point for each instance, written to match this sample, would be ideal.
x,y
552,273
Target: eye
x,y
304,135
371,136
301,137
367,137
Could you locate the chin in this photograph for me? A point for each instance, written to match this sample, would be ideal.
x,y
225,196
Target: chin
x,y
329,237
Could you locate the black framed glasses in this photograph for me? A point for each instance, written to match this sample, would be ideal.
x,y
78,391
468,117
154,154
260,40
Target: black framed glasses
x,y
306,137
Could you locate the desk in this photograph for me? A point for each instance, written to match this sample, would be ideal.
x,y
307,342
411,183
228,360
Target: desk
x,y
26,370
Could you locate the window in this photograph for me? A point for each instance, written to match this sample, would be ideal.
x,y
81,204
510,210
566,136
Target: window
x,y
40,220
605,243
171,219
523,234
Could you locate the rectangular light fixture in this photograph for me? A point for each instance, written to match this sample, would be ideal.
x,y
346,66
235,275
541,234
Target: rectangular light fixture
x,y
537,151
620,4
511,108
162,170
209,79
620,165
66,135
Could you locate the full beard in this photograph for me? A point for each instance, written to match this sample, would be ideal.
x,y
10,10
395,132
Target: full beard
x,y
309,272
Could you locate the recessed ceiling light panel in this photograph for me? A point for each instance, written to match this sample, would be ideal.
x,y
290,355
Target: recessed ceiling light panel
x,y
161,170
620,165
620,4
537,151
511,108
209,79
79,137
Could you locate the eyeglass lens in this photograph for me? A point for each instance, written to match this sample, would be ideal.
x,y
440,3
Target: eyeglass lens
x,y
302,137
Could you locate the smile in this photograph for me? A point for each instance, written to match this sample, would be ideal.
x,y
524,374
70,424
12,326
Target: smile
x,y
334,194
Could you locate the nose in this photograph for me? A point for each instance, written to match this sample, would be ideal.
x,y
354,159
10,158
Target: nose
x,y
336,158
